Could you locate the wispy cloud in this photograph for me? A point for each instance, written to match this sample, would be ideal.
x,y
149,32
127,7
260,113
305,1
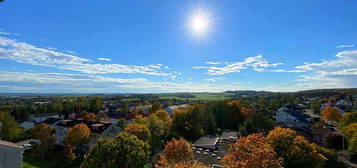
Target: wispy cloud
x,y
345,46
257,63
213,79
212,63
104,59
64,82
29,54
3,32
338,72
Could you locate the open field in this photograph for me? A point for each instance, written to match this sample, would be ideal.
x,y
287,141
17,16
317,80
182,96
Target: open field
x,y
200,96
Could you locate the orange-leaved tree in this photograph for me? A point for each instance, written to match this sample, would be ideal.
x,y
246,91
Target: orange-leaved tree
x,y
176,151
77,137
43,133
330,113
251,152
89,116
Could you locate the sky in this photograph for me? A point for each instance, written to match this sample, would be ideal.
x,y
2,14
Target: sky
x,y
135,46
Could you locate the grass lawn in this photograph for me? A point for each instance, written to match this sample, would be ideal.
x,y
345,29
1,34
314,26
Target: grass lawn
x,y
31,161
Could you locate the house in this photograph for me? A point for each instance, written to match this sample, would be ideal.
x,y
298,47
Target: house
x,y
98,129
324,105
51,121
27,125
293,119
114,117
144,108
72,116
229,135
170,109
42,117
344,102
206,142
10,155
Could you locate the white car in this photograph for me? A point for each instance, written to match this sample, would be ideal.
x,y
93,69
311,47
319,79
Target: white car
x,y
26,145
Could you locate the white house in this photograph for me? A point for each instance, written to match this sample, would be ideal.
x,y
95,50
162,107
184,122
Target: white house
x,y
27,125
296,119
10,155
98,129
344,102
170,109
144,108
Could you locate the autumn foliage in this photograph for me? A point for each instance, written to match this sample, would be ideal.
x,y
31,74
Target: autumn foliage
x,y
77,135
178,154
295,149
330,113
139,130
89,116
251,152
43,133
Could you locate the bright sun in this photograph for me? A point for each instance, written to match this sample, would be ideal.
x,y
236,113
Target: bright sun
x,y
199,23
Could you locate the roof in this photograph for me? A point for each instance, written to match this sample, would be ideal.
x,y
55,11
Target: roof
x,y
51,121
9,144
206,156
97,127
301,117
228,135
207,140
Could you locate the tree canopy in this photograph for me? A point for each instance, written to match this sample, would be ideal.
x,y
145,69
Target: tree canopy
x,y
124,151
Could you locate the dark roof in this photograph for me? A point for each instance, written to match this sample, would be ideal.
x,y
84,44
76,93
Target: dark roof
x,y
221,150
96,127
301,117
51,121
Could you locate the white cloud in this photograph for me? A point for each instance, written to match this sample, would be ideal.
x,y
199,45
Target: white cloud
x,y
336,73
213,79
257,63
104,59
30,54
3,32
345,46
212,63
64,82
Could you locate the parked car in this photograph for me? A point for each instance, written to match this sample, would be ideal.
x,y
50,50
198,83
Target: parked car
x,y
34,142
26,146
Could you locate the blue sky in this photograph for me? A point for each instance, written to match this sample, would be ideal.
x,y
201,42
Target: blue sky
x,y
149,46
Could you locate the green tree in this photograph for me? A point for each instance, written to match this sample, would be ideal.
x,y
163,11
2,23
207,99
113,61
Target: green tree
x,y
315,106
257,123
124,151
347,119
10,130
189,122
155,107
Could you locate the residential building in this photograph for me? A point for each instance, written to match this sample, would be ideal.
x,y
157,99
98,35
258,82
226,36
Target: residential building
x,y
98,129
344,102
170,109
51,121
38,118
229,135
10,155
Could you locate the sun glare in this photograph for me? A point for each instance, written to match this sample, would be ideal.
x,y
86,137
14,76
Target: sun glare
x,y
199,23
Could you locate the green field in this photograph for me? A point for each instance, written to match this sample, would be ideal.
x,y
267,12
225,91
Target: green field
x,y
200,96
